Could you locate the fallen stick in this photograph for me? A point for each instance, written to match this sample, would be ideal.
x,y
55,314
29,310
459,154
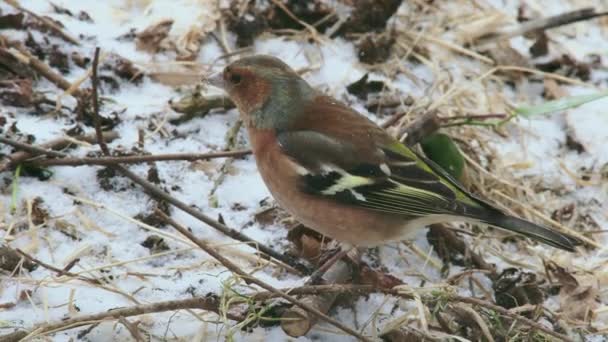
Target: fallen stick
x,y
543,24
209,303
45,71
78,161
57,144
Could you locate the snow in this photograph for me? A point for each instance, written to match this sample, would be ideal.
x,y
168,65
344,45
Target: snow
x,y
532,148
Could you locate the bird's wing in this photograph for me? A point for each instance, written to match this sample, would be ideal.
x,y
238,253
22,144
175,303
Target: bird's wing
x,y
346,157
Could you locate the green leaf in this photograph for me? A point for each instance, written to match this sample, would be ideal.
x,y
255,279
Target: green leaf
x,y
559,104
441,149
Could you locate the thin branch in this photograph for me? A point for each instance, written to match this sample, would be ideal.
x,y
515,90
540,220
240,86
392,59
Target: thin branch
x,y
45,71
208,303
27,151
545,24
250,279
76,161
96,118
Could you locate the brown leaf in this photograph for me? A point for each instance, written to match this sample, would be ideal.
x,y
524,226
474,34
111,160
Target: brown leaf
x,y
189,46
39,214
11,21
553,90
362,87
375,48
577,297
369,15
10,259
308,242
16,92
383,280
155,244
151,38
540,46
515,288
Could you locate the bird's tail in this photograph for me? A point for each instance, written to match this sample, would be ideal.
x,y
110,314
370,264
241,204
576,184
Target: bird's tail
x,y
533,231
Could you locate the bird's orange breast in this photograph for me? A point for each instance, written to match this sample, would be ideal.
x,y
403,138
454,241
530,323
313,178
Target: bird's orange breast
x,y
353,225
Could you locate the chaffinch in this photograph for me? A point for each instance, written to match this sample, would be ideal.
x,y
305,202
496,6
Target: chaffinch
x,y
339,173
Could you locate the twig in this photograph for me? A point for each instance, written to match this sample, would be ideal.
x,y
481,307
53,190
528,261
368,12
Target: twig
x,y
28,151
45,71
76,161
57,270
133,330
96,118
544,24
250,279
208,303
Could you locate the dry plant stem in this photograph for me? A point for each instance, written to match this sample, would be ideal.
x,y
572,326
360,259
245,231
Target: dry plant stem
x,y
29,151
133,330
156,192
139,159
46,22
209,303
45,71
253,280
95,82
59,272
298,322
546,23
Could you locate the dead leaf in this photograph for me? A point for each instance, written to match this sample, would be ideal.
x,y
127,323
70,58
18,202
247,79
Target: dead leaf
x,y
11,21
376,278
578,297
17,92
362,87
308,242
485,24
553,90
155,244
515,288
540,46
151,39
375,48
189,45
10,259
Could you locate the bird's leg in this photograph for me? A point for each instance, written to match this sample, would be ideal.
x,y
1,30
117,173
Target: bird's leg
x,y
345,250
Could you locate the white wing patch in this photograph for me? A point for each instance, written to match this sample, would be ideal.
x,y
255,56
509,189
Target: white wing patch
x,y
347,182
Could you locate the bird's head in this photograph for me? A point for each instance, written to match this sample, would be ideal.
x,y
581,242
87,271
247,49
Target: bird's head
x,y
266,91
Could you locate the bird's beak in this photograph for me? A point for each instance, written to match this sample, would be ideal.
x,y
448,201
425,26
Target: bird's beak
x,y
216,80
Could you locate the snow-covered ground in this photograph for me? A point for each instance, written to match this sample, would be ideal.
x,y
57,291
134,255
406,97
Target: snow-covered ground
x,y
96,226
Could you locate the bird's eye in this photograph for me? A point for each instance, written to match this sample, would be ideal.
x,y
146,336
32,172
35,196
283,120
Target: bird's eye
x,y
235,79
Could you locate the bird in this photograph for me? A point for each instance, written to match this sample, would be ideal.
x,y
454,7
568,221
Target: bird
x,y
340,174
